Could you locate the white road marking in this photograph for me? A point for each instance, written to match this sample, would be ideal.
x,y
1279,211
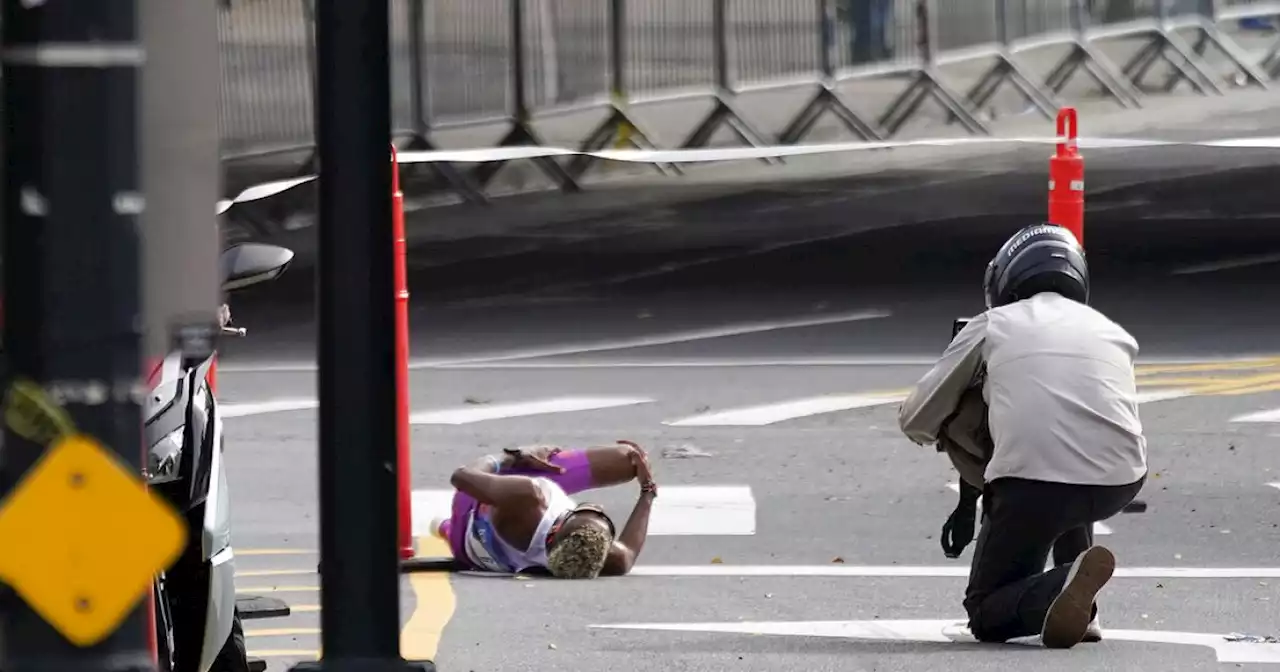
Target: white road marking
x,y
1162,395
724,331
672,338
681,510
1272,415
260,407
478,413
1275,485
945,632
1228,264
948,571
702,363
767,414
1099,528
482,362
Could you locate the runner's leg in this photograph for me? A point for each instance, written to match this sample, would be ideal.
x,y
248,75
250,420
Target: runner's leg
x,y
577,472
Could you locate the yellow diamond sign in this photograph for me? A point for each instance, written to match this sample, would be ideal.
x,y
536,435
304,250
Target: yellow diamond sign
x,y
81,538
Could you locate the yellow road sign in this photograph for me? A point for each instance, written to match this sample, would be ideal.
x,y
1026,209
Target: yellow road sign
x,y
81,538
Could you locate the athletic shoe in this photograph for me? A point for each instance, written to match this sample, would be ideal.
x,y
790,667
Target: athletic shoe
x,y
434,528
1067,620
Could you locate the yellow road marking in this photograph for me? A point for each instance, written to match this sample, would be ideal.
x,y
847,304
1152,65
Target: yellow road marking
x,y
281,632
1228,386
285,653
434,606
1184,381
254,590
274,551
1240,365
1272,386
275,572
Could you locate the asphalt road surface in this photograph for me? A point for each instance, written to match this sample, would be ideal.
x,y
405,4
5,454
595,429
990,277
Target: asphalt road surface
x,y
764,380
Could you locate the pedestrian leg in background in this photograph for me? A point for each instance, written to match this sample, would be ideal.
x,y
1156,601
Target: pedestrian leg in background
x,y
1009,593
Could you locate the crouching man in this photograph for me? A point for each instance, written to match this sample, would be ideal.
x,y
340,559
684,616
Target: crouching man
x,y
515,513
1068,450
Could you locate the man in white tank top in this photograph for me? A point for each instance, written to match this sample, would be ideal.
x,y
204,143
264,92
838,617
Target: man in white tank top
x,y
515,513
1068,450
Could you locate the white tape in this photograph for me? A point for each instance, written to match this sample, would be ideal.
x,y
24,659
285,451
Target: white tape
x,y
482,155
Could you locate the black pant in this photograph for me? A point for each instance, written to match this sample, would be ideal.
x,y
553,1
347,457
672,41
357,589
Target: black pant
x,y
1009,592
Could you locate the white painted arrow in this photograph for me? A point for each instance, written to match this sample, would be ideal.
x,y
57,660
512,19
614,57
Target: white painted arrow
x,y
947,632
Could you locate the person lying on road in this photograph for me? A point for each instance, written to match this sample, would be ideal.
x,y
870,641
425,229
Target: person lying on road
x,y
514,514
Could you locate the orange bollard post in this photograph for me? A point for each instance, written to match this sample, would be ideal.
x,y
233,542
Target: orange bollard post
x,y
402,363
1066,178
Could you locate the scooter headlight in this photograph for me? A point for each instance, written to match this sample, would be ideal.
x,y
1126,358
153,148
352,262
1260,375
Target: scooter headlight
x,y
163,458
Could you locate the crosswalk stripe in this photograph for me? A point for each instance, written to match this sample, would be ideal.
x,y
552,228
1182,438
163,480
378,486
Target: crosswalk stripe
x,y
767,414
1272,415
744,416
232,410
1099,528
680,510
482,412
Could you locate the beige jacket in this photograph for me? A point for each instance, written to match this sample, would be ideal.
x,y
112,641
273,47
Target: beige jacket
x,y
966,438
1059,383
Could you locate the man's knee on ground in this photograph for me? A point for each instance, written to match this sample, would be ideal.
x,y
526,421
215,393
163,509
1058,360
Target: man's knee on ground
x,y
979,627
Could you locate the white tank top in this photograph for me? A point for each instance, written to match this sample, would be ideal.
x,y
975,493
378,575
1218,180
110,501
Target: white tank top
x,y
488,550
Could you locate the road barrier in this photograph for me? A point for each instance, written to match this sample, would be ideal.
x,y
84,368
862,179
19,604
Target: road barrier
x,y
404,494
461,63
1066,177
675,156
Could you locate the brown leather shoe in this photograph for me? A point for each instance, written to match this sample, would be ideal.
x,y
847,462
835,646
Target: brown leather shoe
x,y
1067,621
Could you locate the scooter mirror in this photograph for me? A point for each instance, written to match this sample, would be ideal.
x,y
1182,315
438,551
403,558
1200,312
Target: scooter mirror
x,y
248,264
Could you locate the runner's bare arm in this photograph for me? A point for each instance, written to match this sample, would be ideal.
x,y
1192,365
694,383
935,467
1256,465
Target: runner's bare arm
x,y
626,548
480,481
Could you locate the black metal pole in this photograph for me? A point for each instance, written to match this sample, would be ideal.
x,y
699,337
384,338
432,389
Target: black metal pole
x,y
360,579
720,45
421,121
71,266
519,89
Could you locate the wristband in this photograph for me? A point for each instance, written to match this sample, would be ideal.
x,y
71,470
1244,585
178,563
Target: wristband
x,y
649,488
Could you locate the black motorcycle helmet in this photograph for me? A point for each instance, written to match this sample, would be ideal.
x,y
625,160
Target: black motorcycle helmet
x,y
1039,258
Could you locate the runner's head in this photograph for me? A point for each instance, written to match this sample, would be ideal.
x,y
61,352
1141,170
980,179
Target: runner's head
x,y
580,543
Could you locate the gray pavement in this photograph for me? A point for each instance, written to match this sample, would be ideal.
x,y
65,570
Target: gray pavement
x,y
838,485
802,327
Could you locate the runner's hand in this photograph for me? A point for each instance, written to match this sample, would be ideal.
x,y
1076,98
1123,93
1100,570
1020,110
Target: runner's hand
x,y
538,458
639,460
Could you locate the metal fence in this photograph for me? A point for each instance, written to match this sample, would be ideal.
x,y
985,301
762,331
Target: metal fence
x,y
464,62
